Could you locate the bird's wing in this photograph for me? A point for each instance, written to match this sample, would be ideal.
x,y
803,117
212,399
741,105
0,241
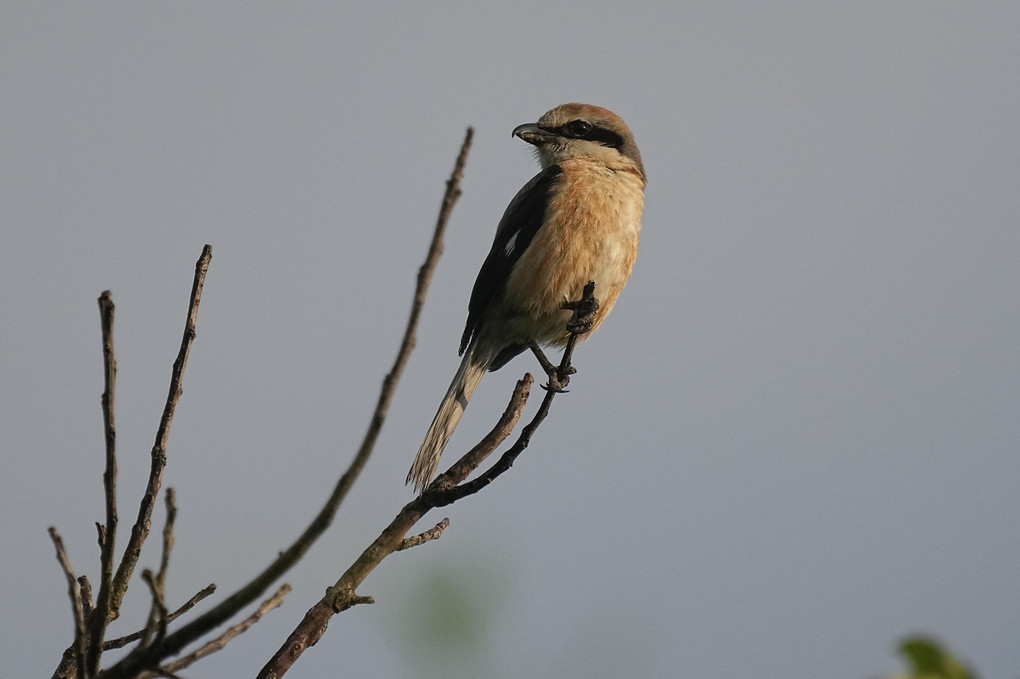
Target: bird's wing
x,y
521,221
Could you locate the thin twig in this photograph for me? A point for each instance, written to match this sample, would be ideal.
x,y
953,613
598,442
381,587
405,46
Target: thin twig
x,y
76,606
168,536
444,490
166,674
421,538
123,641
85,591
175,641
219,642
343,595
442,494
107,532
155,630
141,527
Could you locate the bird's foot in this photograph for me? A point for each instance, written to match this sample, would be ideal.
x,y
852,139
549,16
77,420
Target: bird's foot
x,y
559,379
581,322
559,376
584,311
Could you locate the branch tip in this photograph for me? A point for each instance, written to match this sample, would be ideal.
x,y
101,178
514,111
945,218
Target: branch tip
x,y
77,609
433,533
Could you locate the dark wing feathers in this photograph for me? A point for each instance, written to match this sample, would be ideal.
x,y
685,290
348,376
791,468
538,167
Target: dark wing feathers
x,y
520,223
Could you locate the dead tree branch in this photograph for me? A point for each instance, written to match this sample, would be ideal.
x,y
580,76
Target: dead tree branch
x,y
444,493
155,630
176,641
113,586
121,642
446,489
341,595
222,640
159,617
101,614
78,647
433,533
140,530
168,536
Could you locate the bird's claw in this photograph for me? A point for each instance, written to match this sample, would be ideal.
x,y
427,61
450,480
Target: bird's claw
x,y
581,322
584,311
557,381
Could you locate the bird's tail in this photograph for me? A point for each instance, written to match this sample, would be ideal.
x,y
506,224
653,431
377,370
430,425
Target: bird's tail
x,y
469,374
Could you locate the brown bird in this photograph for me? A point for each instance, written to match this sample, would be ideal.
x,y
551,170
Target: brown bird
x,y
577,220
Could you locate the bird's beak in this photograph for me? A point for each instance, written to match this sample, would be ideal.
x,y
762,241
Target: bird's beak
x,y
533,134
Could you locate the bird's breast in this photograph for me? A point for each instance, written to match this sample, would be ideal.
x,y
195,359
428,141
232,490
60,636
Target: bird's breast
x,y
590,232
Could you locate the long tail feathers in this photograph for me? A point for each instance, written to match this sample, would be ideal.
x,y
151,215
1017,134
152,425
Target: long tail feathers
x,y
469,374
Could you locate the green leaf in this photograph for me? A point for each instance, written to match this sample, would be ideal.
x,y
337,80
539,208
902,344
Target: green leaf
x,y
930,660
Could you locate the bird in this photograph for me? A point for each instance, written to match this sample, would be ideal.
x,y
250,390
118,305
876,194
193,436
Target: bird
x,y
577,220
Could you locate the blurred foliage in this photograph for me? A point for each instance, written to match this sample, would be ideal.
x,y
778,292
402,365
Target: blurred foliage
x,y
446,627
929,659
455,614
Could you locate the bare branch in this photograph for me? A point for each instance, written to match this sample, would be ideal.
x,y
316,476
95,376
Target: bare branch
x,y
155,630
442,493
140,530
168,536
76,604
107,532
219,642
135,636
444,490
175,641
85,591
342,595
431,534
68,668
190,603
166,674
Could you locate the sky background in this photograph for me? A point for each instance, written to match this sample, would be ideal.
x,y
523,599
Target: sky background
x,y
794,442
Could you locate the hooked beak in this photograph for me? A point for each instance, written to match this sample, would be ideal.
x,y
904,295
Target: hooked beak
x,y
533,134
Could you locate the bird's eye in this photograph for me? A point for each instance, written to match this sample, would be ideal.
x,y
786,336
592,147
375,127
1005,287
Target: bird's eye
x,y
579,129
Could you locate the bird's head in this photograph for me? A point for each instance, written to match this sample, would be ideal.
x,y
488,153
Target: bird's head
x,y
573,131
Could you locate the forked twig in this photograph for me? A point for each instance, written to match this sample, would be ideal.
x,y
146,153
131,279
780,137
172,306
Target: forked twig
x,y
123,641
433,533
76,604
177,640
113,585
155,630
442,494
168,536
141,527
101,614
219,642
446,489
342,595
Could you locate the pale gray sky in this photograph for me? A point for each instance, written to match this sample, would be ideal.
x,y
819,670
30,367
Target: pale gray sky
x,y
795,441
